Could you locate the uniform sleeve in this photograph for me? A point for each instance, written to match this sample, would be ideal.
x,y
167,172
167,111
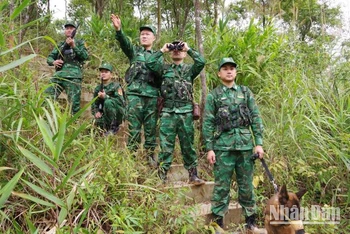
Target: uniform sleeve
x,y
257,124
52,56
155,63
125,44
94,106
199,63
81,53
209,126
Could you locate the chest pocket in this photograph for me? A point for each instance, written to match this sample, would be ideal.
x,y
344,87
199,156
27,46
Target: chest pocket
x,y
183,90
233,111
175,85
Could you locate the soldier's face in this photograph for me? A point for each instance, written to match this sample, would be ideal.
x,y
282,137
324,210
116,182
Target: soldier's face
x,y
105,74
147,38
227,73
68,30
177,55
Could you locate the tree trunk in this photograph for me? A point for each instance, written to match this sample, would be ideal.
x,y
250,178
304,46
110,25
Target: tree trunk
x,y
202,74
159,17
12,25
215,23
99,7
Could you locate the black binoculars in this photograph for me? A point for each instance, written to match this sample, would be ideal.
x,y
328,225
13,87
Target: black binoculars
x,y
176,46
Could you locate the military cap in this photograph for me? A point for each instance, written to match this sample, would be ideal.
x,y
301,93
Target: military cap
x,y
149,27
106,66
223,61
70,23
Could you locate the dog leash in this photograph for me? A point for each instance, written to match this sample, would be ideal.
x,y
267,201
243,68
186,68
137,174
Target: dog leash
x,y
272,180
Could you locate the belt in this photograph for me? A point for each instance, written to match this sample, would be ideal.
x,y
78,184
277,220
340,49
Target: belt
x,y
172,104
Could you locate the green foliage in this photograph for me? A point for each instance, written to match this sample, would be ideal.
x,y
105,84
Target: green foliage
x,y
57,174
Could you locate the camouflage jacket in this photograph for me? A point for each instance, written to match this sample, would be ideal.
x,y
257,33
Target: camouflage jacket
x,y
177,81
113,91
73,60
237,136
140,80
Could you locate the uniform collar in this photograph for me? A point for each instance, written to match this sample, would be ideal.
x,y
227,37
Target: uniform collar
x,y
150,51
175,66
234,87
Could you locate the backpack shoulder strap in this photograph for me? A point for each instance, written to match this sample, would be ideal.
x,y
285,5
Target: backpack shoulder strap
x,y
244,90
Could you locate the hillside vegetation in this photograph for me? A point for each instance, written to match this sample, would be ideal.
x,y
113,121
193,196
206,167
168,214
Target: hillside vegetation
x,y
56,173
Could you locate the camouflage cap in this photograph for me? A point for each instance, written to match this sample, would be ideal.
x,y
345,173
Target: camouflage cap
x,y
106,66
223,61
70,23
149,27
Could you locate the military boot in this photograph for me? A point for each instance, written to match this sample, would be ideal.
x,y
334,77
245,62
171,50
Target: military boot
x,y
112,129
151,159
194,177
219,221
162,174
250,224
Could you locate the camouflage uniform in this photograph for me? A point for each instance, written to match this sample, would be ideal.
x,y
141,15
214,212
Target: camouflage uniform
x,y
69,77
142,92
227,129
176,116
112,107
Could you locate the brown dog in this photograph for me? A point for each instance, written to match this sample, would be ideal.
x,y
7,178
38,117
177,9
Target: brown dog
x,y
282,213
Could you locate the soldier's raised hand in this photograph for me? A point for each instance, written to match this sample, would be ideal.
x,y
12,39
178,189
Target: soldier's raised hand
x,y
185,46
165,48
117,23
70,41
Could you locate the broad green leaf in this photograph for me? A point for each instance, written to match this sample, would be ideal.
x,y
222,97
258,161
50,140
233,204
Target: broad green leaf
x,y
59,141
46,132
77,115
17,46
16,63
6,168
73,170
62,216
7,189
19,126
52,118
73,136
31,226
3,5
71,196
36,160
45,194
31,23
19,9
33,199
2,40
47,158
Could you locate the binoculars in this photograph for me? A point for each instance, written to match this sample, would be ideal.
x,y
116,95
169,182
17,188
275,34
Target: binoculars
x,y
175,46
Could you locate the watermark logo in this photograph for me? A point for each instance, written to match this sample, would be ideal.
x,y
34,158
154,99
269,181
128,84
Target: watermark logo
x,y
314,215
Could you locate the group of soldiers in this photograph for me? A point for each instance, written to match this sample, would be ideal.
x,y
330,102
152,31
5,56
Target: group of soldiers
x,y
232,126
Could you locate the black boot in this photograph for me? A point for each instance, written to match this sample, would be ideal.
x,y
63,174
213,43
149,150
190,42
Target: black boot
x,y
219,220
112,129
162,174
151,159
250,222
194,177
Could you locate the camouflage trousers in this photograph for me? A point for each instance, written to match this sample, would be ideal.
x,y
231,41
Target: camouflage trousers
x,y
172,125
112,114
71,86
228,162
142,112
